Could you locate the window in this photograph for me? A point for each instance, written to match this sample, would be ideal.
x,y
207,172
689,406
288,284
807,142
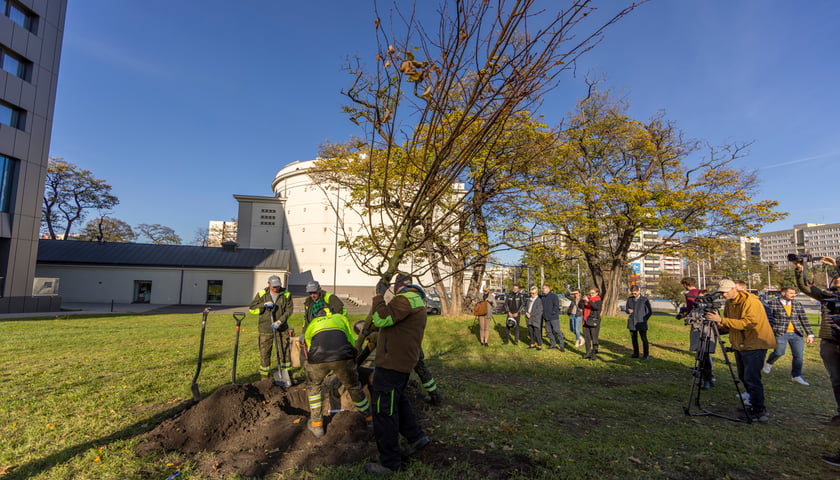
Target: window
x,y
15,64
142,291
19,14
12,116
214,291
7,175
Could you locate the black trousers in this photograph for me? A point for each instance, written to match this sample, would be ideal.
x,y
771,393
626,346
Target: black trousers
x,y
634,337
392,416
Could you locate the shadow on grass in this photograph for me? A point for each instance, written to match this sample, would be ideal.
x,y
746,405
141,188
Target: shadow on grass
x,y
36,467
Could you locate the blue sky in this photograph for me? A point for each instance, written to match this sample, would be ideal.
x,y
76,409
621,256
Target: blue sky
x,y
180,105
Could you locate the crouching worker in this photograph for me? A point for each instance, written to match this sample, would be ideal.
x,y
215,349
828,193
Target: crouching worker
x,y
329,343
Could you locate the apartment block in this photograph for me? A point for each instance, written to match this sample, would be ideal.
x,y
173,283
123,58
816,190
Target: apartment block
x,y
814,238
31,33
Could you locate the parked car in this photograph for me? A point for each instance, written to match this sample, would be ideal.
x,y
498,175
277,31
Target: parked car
x,y
432,305
500,304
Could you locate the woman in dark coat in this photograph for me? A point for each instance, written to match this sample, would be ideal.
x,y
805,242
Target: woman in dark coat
x,y
591,323
639,311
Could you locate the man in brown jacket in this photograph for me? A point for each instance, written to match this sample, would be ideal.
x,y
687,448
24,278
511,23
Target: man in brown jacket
x,y
751,336
401,324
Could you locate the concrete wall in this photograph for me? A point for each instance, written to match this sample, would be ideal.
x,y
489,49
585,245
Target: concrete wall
x,y
170,286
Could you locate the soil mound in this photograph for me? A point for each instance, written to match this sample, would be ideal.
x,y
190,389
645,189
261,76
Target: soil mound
x,y
256,429
259,429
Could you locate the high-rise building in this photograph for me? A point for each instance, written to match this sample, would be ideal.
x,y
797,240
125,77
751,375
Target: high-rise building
x,y
814,238
31,33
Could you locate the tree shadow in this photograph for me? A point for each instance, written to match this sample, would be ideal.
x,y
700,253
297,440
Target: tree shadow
x,y
36,467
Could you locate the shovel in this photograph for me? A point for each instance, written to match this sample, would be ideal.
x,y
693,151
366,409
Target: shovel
x,y
281,376
237,316
195,391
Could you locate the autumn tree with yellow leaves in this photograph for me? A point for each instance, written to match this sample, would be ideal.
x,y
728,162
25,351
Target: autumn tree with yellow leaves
x,y
612,177
438,98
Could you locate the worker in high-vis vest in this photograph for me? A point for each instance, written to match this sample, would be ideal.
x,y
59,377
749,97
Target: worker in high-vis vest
x,y
401,323
274,305
329,346
319,299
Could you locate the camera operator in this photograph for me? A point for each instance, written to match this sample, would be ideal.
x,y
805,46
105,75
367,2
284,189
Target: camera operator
x,y
698,330
751,336
829,332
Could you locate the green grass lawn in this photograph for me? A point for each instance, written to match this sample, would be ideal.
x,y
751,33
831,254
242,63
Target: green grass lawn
x,y
78,393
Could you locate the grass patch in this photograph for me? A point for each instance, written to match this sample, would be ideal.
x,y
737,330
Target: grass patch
x,y
79,393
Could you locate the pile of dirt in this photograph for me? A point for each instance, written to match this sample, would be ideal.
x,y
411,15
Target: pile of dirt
x,y
259,429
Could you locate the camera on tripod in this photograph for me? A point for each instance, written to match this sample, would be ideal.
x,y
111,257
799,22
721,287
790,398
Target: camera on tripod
x,y
703,304
803,257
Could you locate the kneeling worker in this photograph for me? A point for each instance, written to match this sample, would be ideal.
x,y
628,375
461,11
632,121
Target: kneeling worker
x,y
329,343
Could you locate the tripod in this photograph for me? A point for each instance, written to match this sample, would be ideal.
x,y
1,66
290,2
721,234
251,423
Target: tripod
x,y
708,333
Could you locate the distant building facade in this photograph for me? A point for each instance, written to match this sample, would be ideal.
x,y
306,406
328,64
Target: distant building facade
x,y
814,238
31,33
649,269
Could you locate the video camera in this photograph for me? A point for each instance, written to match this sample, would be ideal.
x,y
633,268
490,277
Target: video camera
x,y
703,304
804,257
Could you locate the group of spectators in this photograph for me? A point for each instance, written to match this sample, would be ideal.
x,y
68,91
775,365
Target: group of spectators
x,y
540,309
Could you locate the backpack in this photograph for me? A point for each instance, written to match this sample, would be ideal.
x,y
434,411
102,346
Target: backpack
x,y
480,308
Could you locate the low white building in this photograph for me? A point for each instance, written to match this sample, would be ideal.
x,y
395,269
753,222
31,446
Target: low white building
x,y
158,274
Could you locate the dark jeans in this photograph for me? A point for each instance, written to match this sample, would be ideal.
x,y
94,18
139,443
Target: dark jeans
x,y
552,330
797,349
749,363
590,338
830,354
392,416
634,337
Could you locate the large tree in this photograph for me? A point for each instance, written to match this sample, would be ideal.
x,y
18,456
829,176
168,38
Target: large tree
x,y
69,192
436,98
159,234
620,176
107,229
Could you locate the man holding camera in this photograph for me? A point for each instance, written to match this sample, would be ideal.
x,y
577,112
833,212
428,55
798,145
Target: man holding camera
x,y
829,332
751,336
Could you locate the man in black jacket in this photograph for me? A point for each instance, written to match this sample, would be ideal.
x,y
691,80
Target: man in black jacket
x,y
514,307
551,317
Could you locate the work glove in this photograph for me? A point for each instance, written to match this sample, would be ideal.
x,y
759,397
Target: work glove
x,y
276,325
382,286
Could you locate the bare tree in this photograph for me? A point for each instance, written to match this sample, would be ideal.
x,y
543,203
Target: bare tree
x,y
68,193
159,234
435,100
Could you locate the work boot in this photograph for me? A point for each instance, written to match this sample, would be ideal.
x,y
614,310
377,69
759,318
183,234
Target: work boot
x,y
833,461
435,398
833,422
369,425
416,446
317,428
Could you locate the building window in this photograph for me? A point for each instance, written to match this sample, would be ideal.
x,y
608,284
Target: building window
x,y
142,291
7,175
19,14
15,64
12,116
214,291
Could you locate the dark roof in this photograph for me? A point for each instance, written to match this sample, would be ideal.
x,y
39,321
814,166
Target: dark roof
x,y
144,254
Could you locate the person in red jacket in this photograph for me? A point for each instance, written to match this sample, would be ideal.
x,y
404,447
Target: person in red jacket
x,y
591,323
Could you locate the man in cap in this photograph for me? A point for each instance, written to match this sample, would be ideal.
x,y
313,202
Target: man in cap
x,y
751,336
320,301
273,304
401,323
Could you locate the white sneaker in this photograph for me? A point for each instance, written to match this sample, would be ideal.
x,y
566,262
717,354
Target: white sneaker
x,y
767,368
800,381
746,397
